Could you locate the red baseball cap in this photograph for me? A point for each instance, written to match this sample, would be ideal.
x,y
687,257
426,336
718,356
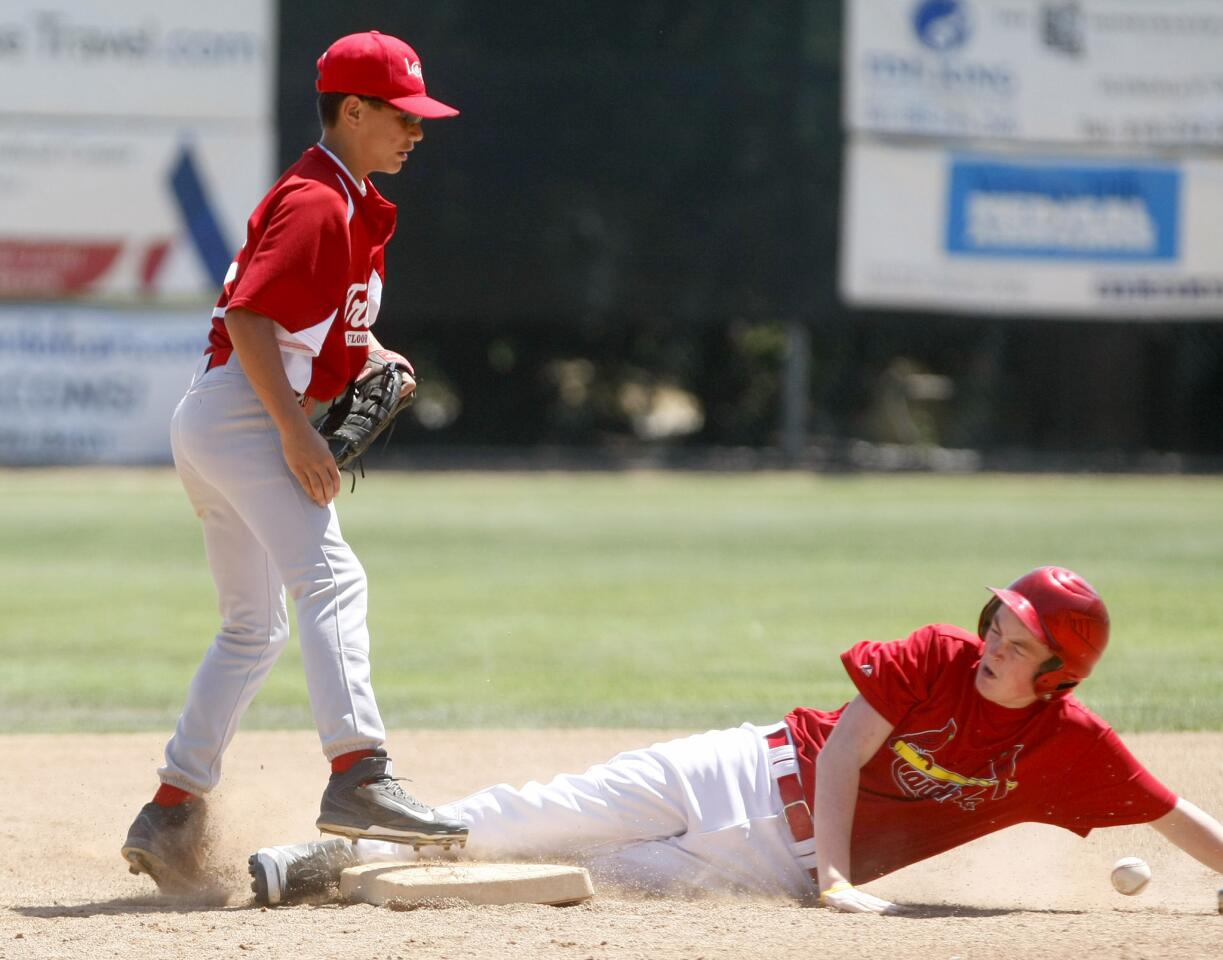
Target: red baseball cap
x,y
376,65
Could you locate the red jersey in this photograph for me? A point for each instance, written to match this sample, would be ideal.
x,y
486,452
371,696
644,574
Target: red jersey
x,y
313,262
957,766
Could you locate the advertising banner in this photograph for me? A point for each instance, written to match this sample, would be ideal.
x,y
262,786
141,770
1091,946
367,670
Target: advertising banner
x,y
135,139
93,386
1083,71
139,215
1026,233
140,59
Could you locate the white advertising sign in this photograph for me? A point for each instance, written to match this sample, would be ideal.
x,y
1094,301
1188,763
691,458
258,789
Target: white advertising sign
x,y
93,386
1028,233
138,58
135,139
1087,71
131,214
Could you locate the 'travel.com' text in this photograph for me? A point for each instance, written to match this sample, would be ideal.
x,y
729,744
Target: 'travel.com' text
x,y
56,35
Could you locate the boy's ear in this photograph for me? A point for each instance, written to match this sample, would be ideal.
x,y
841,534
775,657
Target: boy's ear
x,y
351,108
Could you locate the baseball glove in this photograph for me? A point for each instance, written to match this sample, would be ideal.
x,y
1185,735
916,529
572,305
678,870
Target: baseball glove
x,y
367,407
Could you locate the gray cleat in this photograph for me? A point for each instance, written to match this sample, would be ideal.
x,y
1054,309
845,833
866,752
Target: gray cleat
x,y
368,802
285,874
166,843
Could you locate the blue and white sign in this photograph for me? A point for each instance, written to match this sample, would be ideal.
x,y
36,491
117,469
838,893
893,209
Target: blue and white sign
x,y
1076,71
128,371
1022,233
1063,211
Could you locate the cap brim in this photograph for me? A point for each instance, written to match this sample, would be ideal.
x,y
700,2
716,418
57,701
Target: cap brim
x,y
423,106
1023,609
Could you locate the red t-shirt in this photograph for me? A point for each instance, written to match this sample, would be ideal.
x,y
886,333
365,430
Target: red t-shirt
x,y
313,261
957,766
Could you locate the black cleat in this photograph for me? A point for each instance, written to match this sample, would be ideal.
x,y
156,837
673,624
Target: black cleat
x,y
285,874
368,802
166,843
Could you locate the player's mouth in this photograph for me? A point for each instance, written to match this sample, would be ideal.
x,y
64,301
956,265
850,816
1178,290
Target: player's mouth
x,y
988,672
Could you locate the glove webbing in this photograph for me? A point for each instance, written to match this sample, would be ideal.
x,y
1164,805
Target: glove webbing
x,y
363,413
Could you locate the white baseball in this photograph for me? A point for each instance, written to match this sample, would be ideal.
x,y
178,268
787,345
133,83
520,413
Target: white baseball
x,y
1130,875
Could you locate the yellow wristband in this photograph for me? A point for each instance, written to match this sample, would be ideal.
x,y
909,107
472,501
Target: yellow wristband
x,y
837,887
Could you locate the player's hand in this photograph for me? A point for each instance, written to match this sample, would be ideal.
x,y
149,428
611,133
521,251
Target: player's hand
x,y
391,358
846,898
310,460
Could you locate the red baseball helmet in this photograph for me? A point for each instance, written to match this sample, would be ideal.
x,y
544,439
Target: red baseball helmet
x,y
1064,610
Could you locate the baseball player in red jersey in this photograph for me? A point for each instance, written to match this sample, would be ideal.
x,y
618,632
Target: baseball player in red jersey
x,y
292,327
952,735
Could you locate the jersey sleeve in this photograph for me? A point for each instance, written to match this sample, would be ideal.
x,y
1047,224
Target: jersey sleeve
x,y
895,675
1109,787
298,273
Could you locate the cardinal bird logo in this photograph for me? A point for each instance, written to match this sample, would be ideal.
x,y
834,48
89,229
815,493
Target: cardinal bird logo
x,y
919,775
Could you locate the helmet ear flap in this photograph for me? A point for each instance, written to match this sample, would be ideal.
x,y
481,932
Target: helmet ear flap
x,y
1054,663
1055,682
987,616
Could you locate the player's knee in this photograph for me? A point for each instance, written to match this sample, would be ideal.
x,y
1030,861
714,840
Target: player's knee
x,y
238,635
334,575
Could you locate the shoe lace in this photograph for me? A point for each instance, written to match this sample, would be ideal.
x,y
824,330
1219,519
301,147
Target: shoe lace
x,y
391,786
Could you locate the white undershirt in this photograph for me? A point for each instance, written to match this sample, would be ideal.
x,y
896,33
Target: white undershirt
x,y
359,184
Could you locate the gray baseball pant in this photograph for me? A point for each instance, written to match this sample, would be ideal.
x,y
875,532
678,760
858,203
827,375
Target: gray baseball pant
x,y
262,533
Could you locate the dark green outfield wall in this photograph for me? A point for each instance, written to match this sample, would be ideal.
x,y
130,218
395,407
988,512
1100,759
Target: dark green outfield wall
x,y
644,193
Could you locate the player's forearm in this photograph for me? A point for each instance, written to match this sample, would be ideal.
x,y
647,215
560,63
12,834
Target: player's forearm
x,y
1195,831
254,339
858,734
836,795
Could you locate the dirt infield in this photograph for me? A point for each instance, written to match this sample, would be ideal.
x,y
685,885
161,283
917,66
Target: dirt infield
x,y
1032,892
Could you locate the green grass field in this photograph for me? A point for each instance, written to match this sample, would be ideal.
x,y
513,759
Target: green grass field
x,y
647,599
